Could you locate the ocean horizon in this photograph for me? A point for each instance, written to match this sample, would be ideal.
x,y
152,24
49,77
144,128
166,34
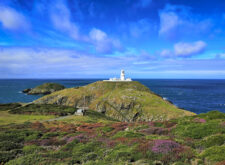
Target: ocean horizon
x,y
196,95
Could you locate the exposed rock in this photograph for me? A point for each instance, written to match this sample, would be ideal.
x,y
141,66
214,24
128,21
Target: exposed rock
x,y
124,101
44,89
26,90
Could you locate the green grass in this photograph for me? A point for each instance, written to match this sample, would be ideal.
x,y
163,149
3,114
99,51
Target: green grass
x,y
7,118
5,107
187,127
43,109
127,134
215,153
90,117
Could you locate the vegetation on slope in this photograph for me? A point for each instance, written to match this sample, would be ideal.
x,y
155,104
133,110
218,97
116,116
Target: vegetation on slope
x,y
44,109
125,101
98,140
45,88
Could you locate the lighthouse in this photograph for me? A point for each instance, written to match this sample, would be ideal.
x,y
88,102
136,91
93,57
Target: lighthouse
x,y
122,77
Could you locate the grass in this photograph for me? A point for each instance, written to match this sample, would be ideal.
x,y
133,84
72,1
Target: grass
x,y
5,107
43,109
90,117
7,118
215,153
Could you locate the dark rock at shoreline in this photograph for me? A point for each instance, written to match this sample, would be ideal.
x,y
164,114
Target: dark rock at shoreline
x,y
26,90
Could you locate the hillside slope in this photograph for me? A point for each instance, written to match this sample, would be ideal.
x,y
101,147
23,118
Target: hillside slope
x,y
125,101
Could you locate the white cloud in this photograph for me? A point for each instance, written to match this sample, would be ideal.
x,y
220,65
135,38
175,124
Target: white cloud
x,y
61,19
221,55
12,20
43,62
140,28
189,49
97,35
168,21
166,53
102,42
184,49
178,21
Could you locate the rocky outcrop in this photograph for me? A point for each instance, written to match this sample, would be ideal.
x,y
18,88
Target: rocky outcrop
x,y
44,89
125,101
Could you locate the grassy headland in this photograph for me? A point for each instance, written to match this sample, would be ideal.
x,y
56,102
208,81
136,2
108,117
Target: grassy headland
x,y
125,101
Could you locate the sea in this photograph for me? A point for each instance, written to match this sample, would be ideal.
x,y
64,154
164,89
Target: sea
x,y
198,96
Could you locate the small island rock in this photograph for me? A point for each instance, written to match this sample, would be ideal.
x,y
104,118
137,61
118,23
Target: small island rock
x,y
45,88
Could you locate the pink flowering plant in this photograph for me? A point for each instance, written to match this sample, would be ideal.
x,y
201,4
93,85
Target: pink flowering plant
x,y
199,120
164,146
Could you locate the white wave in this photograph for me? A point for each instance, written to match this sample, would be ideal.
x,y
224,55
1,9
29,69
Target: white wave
x,y
164,98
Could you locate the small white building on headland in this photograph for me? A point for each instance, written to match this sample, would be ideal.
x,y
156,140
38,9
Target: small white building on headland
x,y
122,77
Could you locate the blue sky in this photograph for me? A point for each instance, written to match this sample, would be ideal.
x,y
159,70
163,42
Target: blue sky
x,y
98,38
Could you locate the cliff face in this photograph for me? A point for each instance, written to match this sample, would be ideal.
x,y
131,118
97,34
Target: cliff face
x,y
125,101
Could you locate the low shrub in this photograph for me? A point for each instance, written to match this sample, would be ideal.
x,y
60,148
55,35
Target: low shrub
x,y
44,109
90,156
105,129
9,106
123,153
127,134
6,156
29,159
212,115
215,153
159,124
198,130
214,140
50,135
32,149
81,149
8,145
153,137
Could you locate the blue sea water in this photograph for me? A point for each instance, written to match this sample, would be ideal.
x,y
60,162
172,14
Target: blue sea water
x,y
195,95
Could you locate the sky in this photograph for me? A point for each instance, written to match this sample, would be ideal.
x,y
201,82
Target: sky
x,y
97,38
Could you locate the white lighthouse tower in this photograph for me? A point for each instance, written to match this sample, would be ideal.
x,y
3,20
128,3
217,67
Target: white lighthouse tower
x,y
122,77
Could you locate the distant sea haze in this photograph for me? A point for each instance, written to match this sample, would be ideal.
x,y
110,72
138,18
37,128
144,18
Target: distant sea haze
x,y
198,96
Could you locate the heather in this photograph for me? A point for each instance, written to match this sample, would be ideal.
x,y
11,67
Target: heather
x,y
95,139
